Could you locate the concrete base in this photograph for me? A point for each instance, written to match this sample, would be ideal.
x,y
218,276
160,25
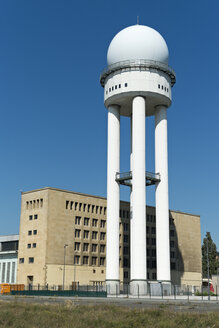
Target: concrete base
x,y
160,288
113,287
138,287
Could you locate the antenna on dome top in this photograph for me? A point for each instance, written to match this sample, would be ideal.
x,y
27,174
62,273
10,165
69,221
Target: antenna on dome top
x,y
137,20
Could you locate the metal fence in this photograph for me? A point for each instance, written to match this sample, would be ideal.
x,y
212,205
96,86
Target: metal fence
x,y
152,291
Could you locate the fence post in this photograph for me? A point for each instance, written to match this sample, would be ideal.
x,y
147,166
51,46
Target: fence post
x,y
149,290
216,294
138,291
188,293
174,291
161,285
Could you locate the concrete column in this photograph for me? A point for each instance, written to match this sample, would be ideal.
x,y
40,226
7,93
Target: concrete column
x,y
113,166
138,225
162,198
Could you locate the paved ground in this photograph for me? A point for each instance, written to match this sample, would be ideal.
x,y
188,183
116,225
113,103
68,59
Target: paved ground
x,y
172,305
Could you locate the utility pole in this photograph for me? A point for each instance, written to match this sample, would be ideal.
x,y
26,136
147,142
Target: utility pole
x,y
63,285
208,268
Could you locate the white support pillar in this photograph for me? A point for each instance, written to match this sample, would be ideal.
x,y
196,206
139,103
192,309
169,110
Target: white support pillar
x,y
138,225
113,201
162,198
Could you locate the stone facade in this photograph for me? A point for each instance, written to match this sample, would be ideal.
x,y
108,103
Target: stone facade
x,y
52,218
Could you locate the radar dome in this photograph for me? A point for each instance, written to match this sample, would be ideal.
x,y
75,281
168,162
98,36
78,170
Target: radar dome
x,y
137,42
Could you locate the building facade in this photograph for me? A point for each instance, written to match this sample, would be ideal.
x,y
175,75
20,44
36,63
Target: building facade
x,y
8,258
58,226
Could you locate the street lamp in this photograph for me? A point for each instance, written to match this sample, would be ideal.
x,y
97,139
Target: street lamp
x,y
63,285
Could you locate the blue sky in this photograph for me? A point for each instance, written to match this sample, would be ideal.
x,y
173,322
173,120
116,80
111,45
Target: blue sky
x,y
53,122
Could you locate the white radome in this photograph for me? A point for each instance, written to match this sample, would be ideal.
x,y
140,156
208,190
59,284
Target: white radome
x,y
137,42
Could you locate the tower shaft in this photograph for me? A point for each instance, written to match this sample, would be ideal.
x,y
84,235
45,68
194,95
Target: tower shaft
x,y
162,199
113,165
138,223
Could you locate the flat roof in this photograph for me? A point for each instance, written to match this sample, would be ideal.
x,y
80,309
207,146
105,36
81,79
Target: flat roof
x,y
9,238
94,196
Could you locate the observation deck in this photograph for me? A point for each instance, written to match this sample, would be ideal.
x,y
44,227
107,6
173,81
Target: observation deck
x,y
124,178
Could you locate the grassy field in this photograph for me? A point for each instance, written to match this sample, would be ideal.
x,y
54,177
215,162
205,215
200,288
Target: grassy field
x,y
21,315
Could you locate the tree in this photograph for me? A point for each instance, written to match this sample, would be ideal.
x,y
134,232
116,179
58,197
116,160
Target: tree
x,y
212,256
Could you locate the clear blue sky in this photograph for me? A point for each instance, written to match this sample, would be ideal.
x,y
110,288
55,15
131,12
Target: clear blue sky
x,y
53,121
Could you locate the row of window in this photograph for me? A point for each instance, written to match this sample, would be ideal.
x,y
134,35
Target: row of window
x,y
30,260
81,207
7,271
35,217
87,222
36,203
87,234
151,264
33,245
163,88
86,246
85,260
32,232
115,87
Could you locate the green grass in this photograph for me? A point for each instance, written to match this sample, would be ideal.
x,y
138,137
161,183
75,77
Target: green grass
x,y
23,315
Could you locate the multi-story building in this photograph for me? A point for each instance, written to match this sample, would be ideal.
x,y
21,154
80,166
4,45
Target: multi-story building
x,y
59,226
8,258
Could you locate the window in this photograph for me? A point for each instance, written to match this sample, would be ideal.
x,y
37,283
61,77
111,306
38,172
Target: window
x,y
85,259
102,260
154,264
102,223
153,230
13,273
31,259
66,204
148,264
165,89
126,274
125,250
106,92
94,222
173,266
153,252
76,206
126,227
102,235
71,206
172,244
126,238
115,86
94,260
30,217
28,245
126,84
112,88
21,260
41,202
86,234
77,246
77,233
102,248
92,208
148,252
148,241
84,207
154,276
34,245
88,208
94,247
148,229
125,262
162,87
85,247
97,208
30,232
86,221
119,85
35,216
77,259
158,86
172,255
153,241
104,211
94,234
148,275
78,220
80,204
35,232
172,233
123,213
